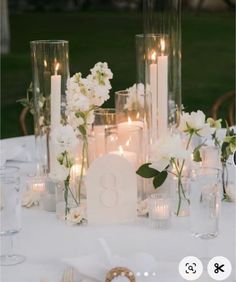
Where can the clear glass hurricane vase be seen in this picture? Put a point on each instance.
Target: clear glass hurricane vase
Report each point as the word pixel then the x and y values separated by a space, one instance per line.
pixel 50 69
pixel 162 44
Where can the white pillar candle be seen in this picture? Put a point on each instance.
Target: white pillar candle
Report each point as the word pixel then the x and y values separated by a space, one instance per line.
pixel 55 113
pixel 153 86
pixel 162 90
pixel 55 99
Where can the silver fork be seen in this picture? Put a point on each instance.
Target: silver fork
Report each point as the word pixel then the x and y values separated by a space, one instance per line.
pixel 68 275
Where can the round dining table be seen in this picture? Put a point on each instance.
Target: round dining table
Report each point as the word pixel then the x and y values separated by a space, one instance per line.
pixel 46 242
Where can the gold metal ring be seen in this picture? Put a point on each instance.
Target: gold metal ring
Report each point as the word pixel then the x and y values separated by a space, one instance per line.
pixel 120 271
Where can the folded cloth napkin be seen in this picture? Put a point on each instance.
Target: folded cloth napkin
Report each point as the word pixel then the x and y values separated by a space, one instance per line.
pixel 94 267
pixel 17 153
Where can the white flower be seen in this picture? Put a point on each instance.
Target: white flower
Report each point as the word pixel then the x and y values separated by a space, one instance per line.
pixel 76 216
pixel 143 208
pixel 194 122
pixel 60 172
pixel 136 97
pixel 83 95
pixel 30 198
pixel 101 73
pixel 167 148
pixel 64 138
pixel 214 123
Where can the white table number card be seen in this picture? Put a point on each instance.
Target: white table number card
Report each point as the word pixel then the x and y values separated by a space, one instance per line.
pixel 111 185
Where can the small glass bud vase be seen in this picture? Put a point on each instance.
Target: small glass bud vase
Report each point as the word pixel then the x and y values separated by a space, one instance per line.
pixel 205 203
pixel 228 182
pixel 181 189
pixel 66 199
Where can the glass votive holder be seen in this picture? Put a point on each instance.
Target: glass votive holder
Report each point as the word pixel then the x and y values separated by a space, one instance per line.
pixel 159 209
pixel 105 119
pixel 37 186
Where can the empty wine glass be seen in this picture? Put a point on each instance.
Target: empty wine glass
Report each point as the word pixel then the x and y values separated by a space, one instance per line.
pixel 10 212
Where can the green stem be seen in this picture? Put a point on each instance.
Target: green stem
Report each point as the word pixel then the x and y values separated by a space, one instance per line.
pixel 224 183
pixel 84 156
pixel 179 194
pixel 66 182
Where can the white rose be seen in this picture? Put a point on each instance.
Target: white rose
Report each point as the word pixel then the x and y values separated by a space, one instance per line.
pixel 143 208
pixel 30 198
pixel 76 216
pixel 194 121
pixel 168 147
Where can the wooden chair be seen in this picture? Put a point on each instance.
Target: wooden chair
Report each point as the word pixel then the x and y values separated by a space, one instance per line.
pixel 229 100
pixel 22 118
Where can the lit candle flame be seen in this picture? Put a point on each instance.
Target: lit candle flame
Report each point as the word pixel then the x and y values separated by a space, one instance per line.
pixel 138 115
pixel 163 45
pixel 121 151
pixel 45 63
pixel 56 68
pixel 127 143
pixel 154 56
pixel 129 121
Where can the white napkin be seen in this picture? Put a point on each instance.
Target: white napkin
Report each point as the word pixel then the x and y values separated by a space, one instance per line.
pixel 17 153
pixel 95 267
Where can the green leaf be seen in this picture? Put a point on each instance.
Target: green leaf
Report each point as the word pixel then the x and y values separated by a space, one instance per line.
pixel 146 171
pixel 82 130
pixel 197 155
pixel 80 114
pixel 160 179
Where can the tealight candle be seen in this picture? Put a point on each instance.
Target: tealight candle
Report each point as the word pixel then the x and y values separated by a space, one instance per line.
pixel 159 210
pixel 130 124
pixel 38 187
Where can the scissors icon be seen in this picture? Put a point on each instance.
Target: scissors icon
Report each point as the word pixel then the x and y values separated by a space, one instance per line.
pixel 218 268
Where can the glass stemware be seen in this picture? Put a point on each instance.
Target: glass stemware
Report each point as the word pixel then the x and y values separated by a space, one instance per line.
pixel 10 214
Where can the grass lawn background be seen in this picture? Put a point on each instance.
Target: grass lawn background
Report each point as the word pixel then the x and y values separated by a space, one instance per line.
pixel 207 65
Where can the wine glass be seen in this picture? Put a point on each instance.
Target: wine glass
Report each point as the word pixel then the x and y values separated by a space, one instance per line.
pixel 10 212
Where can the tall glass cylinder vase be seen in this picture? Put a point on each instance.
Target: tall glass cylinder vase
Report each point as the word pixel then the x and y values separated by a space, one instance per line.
pixel 162 41
pixel 50 67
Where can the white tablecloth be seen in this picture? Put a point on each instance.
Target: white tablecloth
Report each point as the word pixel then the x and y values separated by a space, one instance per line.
pixel 46 241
